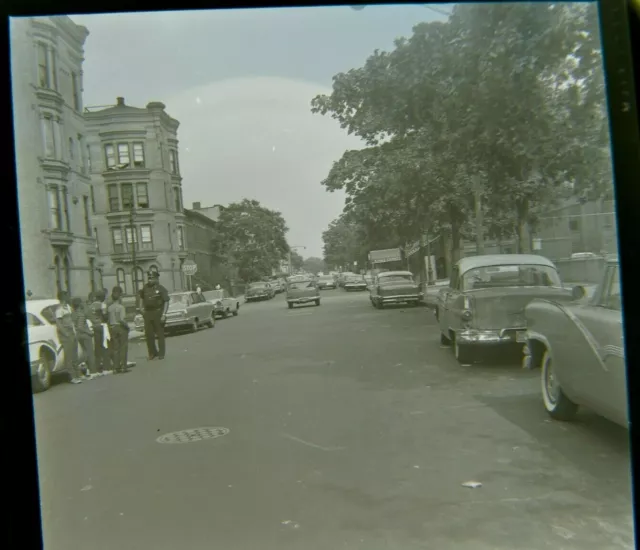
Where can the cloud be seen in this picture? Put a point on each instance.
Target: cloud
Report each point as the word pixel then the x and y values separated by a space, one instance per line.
pixel 257 138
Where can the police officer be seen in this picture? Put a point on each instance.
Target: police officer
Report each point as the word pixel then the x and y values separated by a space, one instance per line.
pixel 155 302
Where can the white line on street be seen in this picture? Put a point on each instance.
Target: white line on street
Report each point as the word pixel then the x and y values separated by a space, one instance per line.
pixel 312 444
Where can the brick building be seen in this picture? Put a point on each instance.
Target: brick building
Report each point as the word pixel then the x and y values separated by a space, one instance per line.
pixel 54 188
pixel 138 216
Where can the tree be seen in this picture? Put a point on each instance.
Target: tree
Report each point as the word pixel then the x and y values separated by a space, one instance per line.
pixel 251 240
pixel 296 260
pixel 314 265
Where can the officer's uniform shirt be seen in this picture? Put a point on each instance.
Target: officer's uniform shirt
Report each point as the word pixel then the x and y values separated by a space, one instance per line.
pixel 154 297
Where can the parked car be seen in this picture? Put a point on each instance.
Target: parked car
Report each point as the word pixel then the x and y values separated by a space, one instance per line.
pixel 224 304
pixel 342 277
pixel 326 281
pixel 46 357
pixel 483 305
pixel 579 347
pixel 189 311
pixel 302 291
pixel 258 291
pixel 394 287
pixel 355 282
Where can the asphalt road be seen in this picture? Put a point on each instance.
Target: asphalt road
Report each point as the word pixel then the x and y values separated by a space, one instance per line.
pixel 349 428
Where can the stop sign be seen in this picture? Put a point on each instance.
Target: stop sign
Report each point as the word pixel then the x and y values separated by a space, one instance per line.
pixel 189 267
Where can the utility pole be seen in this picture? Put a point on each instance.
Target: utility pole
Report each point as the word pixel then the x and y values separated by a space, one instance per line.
pixel 477 190
pixel 133 251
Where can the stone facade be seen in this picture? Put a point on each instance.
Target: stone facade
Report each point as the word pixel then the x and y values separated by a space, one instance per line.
pixel 139 220
pixel 54 188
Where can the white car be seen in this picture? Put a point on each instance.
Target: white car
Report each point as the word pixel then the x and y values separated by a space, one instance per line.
pixel 46 356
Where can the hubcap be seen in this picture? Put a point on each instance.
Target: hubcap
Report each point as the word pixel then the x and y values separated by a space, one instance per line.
pixel 550 383
pixel 43 373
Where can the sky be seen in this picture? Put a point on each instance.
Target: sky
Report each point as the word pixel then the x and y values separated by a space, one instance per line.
pixel 240 82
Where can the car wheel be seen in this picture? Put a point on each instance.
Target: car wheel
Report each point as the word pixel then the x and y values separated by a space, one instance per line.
pixel 462 352
pixel 42 379
pixel 212 322
pixel 444 340
pixel 226 313
pixel 317 302
pixel 194 326
pixel 558 405
pixel 237 310
pixel 290 305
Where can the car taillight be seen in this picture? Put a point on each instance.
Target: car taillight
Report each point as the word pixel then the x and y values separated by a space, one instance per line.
pixel 467 311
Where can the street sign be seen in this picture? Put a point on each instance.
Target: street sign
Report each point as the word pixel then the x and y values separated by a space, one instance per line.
pixel 189 267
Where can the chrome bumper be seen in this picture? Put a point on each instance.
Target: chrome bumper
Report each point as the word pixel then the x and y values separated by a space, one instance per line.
pixel 182 321
pixel 516 335
pixel 302 300
pixel 401 298
pixel 354 287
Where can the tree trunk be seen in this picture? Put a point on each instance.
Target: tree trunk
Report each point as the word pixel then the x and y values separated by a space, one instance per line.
pixel 455 243
pixel 523 240
pixel 422 254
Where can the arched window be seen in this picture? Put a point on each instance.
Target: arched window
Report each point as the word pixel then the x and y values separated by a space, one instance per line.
pixel 138 278
pixel 56 269
pixel 121 280
pixel 71 148
pixel 66 268
pixel 92 274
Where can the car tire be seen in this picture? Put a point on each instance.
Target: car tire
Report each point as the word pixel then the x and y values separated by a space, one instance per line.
pixel 444 340
pixel 194 326
pixel 211 323
pixel 462 352
pixel 237 310
pixel 42 380
pixel 290 305
pixel 557 404
pixel 317 302
pixel 226 314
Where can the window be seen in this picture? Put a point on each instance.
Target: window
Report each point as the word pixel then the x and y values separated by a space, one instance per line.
pixel 123 153
pixel 92 277
pixel 93 199
pixel 180 238
pixel 574 225
pixel 66 210
pixel 67 273
pixel 114 199
pixel 110 154
pixel 127 196
pixel 132 237
pixel 87 222
pixel 48 136
pixel 76 91
pixel 146 237
pixel 56 268
pixel 173 160
pixel 43 66
pixel 95 236
pixel 138 278
pixel 170 239
pixel 33 321
pixel 81 156
pixel 55 210
pixel 118 245
pixel 89 157
pixel 71 149
pixel 142 195
pixel 138 155
pixel 178 199
pixel 121 279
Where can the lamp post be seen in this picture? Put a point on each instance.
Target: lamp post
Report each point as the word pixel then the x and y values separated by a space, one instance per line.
pixel 134 243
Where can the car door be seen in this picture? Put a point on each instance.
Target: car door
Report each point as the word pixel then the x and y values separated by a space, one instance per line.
pixel 605 385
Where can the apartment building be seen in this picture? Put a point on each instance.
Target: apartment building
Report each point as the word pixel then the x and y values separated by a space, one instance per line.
pixel 54 188
pixel 136 205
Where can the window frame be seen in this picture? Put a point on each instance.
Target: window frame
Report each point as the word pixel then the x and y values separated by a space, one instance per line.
pixel 87 216
pixel 143 242
pixel 75 90
pixel 109 147
pixel 48 131
pixel 122 283
pixel 114 231
pixel 123 196
pixel 131 237
pixel 173 161
pixel 133 149
pixel 144 185
pixel 180 232
pixel 54 191
pixel 116 198
pixel 120 156
pixel 47 81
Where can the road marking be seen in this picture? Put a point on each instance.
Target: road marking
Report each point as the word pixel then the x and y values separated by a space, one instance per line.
pixel 308 444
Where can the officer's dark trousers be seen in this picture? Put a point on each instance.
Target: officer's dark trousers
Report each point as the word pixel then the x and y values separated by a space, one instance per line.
pixel 153 329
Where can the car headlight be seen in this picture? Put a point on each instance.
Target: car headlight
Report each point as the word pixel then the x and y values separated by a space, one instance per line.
pixel 183 313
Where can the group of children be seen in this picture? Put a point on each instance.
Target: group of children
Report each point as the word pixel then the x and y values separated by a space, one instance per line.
pixel 99 329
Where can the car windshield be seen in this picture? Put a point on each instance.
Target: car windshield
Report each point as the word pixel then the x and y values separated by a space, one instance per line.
pixel 396 278
pixel 178 301
pixel 299 285
pixel 510 275
pixel 258 285
pixel 214 294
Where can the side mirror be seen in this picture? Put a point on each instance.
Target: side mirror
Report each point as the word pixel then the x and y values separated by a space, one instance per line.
pixel 578 292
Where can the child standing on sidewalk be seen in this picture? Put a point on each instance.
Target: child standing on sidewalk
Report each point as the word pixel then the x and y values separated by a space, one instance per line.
pixel 119 329
pixel 84 333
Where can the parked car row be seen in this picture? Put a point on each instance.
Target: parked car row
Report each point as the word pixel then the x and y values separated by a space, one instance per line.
pixel 259 291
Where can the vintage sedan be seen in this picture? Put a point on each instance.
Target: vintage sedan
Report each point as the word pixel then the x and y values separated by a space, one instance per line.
pixel 326 281
pixel 579 348
pixel 483 305
pixel 189 311
pixel 355 282
pixel 259 291
pixel 224 304
pixel 395 287
pixel 46 356
pixel 302 291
